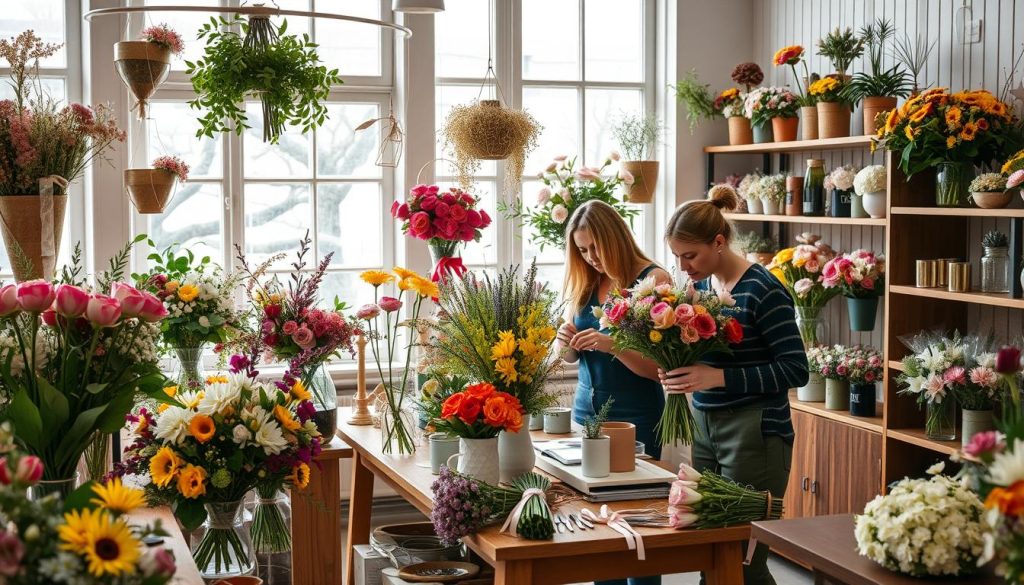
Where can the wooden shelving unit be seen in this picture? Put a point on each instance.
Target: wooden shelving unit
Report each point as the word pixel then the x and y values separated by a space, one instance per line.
pixel 917 437
pixel 873 424
pixel 753 217
pixel 846 143
pixel 978 298
pixel 957 212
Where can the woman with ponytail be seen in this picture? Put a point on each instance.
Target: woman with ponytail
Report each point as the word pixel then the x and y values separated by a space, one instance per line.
pixel 740 399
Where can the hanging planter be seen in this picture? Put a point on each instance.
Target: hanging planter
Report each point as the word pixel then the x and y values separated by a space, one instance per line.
pixel 144 65
pixel 392 141
pixel 486 130
pixel 638 137
pixel 283 71
pixel 151 189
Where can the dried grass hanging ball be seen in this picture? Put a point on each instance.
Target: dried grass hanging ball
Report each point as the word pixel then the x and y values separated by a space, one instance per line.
pixel 486 130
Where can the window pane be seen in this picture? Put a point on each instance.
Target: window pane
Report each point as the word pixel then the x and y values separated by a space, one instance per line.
pixel 551 39
pixel 171 130
pixel 277 216
pixel 348 223
pixel 193 219
pixel 552 274
pixel 449 96
pixel 347 287
pixel 45 17
pixel 484 252
pixel 352 48
pixel 531 249
pixel 289 158
pixel 53 87
pixel 342 152
pixel 614 46
pixel 461 39
pixel 186 24
pixel 296 25
pixel 558 111
pixel 605 107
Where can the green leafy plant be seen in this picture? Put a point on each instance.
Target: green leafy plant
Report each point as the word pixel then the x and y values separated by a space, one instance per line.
pixel 841 48
pixel 592 425
pixel 638 136
pixel 892 82
pixel 283 71
pixel 994 239
pixel 913 54
pixel 700 105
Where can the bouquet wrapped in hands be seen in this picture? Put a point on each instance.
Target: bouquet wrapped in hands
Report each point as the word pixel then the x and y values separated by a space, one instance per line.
pixel 708 500
pixel 675 327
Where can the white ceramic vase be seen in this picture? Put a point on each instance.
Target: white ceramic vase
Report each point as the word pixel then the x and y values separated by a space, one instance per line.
pixel 597 456
pixel 478 458
pixel 515 455
pixel 874 204
pixel 771 207
pixel 813 391
pixel 754 206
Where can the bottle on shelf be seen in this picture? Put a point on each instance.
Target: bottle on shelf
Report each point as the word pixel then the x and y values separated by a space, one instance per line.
pixel 814 188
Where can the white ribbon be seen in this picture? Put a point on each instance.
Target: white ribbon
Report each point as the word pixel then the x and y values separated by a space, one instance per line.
pixel 48 248
pixel 618 523
pixel 513 519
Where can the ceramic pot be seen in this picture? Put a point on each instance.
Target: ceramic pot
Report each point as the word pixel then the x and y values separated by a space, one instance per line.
pixel 862 400
pixel 784 129
pixel 763 133
pixel 872 107
pixel 515 454
pixel 478 458
pixel 992 199
pixel 875 204
pixel 739 131
pixel 623 445
pixel 596 457
pixel 833 120
pixel 837 394
pixel 754 206
pixel 772 207
pixel 862 313
pixel 813 391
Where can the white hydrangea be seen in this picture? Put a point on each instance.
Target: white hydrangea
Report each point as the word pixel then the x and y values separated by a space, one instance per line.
pixel 843 177
pixel 870 179
pixel 923 527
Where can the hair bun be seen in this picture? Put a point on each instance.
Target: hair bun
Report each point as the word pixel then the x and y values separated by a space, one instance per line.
pixel 724 197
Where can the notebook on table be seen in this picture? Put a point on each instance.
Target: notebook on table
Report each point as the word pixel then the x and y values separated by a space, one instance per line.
pixel 645 481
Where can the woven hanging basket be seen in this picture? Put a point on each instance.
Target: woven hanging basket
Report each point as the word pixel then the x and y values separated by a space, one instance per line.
pixel 149 189
pixel 143 66
pixel 491 131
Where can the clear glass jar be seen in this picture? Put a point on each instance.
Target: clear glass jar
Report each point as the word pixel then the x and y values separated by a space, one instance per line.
pixel 940 424
pixel 952 181
pixel 222 547
pixel 325 399
pixel 995 270
pixel 813 328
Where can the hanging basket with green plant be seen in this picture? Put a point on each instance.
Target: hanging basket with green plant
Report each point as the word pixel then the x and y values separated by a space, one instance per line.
pixel 283 71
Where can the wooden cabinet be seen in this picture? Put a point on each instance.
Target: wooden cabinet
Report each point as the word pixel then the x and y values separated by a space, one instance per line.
pixel 837 467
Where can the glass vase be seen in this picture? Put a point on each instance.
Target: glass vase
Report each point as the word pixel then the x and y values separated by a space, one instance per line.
pixel 325 399
pixel 813 329
pixel 445 258
pixel 396 423
pixel 189 367
pixel 951 184
pixel 940 424
pixel 995 271
pixel 221 546
pixel 271 521
pixel 61 487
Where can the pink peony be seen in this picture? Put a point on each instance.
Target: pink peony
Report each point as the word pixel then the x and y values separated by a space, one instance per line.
pixel 543 196
pixel 559 213
pixel 473 218
pixel 8 300
pixel 400 210
pixel 442 209
pixel 368 312
pixel 71 301
pixel 390 304
pixel 1015 179
pixel 663 316
pixel 103 311
pixel 35 296
pixel 985 443
pixel 304 338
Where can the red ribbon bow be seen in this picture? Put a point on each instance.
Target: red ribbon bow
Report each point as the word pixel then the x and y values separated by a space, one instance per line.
pixel 446 265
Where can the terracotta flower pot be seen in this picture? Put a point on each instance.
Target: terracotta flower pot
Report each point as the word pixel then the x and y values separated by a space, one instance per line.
pixel 808 123
pixel 645 180
pixel 992 199
pixel 23 218
pixel 784 129
pixel 623 448
pixel 149 189
pixel 740 131
pixel 143 66
pixel 872 107
pixel 833 120
pixel 795 195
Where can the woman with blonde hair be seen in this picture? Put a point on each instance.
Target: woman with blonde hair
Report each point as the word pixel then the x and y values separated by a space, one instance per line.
pixel 601 256
pixel 740 399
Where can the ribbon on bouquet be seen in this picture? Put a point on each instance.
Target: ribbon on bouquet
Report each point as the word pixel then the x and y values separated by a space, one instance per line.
pixel 513 519
pixel 448 264
pixel 618 523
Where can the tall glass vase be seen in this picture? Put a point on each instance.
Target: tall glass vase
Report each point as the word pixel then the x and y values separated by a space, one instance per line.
pixel 61 487
pixel 952 181
pixel 444 257
pixel 325 399
pixel 396 423
pixel 222 547
pixel 813 330
pixel 189 372
pixel 271 520
pixel 940 424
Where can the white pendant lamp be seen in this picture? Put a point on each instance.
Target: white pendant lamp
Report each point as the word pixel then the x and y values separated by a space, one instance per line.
pixel 418 6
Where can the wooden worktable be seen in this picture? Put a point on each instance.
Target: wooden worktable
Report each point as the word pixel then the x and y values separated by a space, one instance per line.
pixel 187 573
pixel 567 558
pixel 316 520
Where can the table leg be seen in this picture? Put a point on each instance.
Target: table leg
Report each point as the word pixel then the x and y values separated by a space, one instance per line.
pixel 316 527
pixel 360 503
pixel 728 564
pixel 513 573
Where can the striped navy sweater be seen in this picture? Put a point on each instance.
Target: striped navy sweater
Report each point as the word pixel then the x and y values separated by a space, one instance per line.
pixel 768 362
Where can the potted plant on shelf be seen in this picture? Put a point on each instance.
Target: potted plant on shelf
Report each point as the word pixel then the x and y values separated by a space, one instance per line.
pixel 757 248
pixel 814 390
pixel 839 183
pixel 151 189
pixel 143 65
pixel 879 88
pixel 283 71
pixel 760 123
pixel 772 190
pixel 984 391
pixel 750 190
pixel 638 138
pixel 860 276
pixel 840 48
pixel 808 112
pixel 779 107
pixel 696 96
pixel 952 133
pixel 864 371
pixel 835 371
pixel 729 104
pixel 913 54
pixel 869 187
pixel 597 446
pixel 989 191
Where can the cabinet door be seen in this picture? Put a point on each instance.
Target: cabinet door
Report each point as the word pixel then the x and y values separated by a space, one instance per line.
pixel 799 502
pixel 849 467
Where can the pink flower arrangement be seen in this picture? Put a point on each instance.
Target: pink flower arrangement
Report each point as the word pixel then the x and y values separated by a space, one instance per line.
pixel 172 164
pixel 859 274
pixel 164 36
pixel 452 216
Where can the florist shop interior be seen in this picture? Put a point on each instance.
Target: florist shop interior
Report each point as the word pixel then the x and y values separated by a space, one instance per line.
pixel 623 292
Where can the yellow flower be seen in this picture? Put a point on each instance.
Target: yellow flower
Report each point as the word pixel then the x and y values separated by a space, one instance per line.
pixel 892 119
pixel 171 286
pixel 299 391
pixel 823 86
pixel 192 481
pixel 779 274
pixel 424 287
pixel 953 115
pixel 202 428
pixel 188 292
pixel 216 380
pixel 162 407
pixel 910 133
pixel 404 273
pixel 284 416
pixel 969 131
pixel 950 142
pixel 729 94
pixel 506 367
pixel 783 256
pixel 300 476
pixel 505 347
pixel 655 336
pixel 164 466
pixel 276 298
pixel 800 261
pixel 116 497
pixel 922 113
pixel 1013 163
pixel 171 391
pixel 74 532
pixel 376 277
pixel 113 550
pixel 699 310
pixel 430 387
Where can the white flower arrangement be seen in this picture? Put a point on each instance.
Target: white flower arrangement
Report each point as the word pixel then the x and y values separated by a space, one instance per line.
pixel 923 527
pixel 749 184
pixel 735 107
pixel 772 188
pixel 870 179
pixel 988 183
pixel 843 177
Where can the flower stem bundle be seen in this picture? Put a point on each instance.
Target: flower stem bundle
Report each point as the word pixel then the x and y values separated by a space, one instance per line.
pixel 708 500
pixel 535 520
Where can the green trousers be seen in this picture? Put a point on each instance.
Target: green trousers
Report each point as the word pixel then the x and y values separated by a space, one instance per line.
pixel 730 443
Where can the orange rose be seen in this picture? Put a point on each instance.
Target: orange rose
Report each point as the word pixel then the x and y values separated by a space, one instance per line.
pixel 496 411
pixel 451 405
pixel 481 391
pixel 202 427
pixel 1010 501
pixel 469 410
pixel 514 422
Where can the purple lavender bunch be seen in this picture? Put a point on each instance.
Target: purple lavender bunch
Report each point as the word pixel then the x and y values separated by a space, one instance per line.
pixel 461 507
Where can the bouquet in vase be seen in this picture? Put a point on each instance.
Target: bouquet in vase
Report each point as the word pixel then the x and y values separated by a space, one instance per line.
pixel 444 220
pixel 675 327
pixel 934 374
pixel 480 412
pixel 985 388
pixel 830 361
pixel 859 274
pixel 799 269
pixel 383 322
pixel 708 500
pixel 863 365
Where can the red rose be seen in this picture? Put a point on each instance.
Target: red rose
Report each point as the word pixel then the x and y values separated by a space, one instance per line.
pixel 451 405
pixel 272 311
pixel 457 213
pixel 617 312
pixel 467 234
pixel 449 198
pixel 401 212
pixel 419 225
pixel 473 218
pixel 469 410
pixel 705 325
pixel 428 202
pixel 441 209
pixel 445 228
pixel 733 331
pixel 481 391
pixel 485 220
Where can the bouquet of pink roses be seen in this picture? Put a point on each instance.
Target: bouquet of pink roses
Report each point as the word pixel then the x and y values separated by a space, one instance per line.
pixel 675 327
pixel 859 274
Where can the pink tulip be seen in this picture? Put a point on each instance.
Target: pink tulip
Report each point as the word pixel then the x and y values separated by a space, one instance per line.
pixel 688 473
pixel 29 471
pixel 153 309
pixel 35 296
pixel 560 158
pixel 9 300
pixel 5 472
pixel 71 301
pixel 390 304
pixel 678 519
pixel 133 302
pixel 103 311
